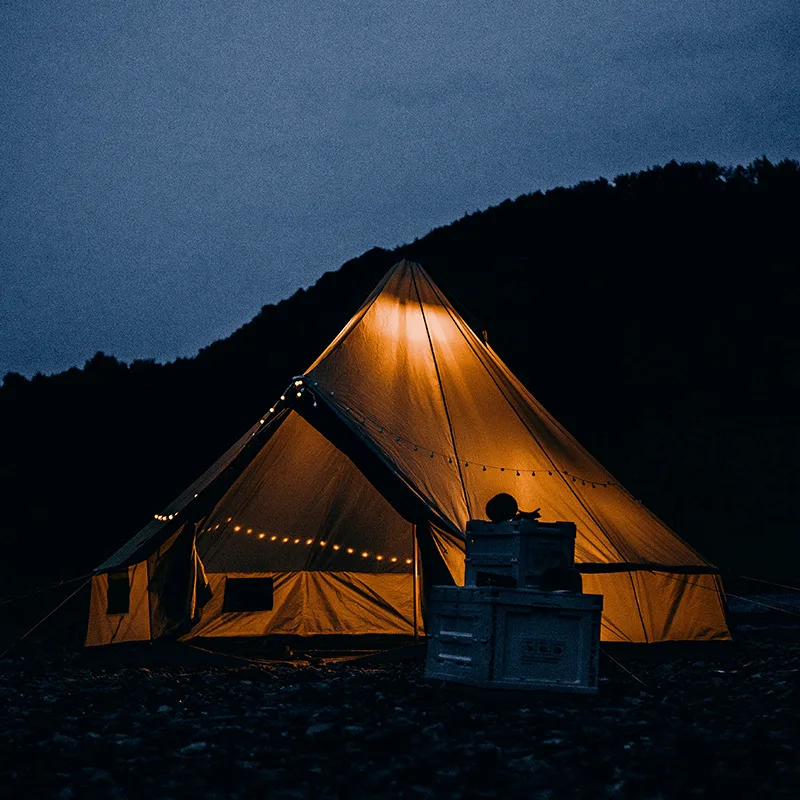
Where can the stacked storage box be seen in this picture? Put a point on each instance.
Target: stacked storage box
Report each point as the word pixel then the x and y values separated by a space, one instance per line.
pixel 503 629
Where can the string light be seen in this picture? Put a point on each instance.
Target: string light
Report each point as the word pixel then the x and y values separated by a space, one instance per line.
pixel 321 543
pixel 518 471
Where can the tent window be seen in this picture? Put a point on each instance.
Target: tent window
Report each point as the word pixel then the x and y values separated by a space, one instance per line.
pixel 248 594
pixel 119 592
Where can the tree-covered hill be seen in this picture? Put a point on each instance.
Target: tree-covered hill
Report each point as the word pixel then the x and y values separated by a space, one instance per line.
pixel 654 315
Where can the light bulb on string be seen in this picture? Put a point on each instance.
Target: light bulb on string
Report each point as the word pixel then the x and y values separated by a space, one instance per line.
pixel 283 397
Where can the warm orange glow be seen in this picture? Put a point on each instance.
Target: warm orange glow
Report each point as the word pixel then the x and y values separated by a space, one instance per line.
pixel 364 554
pixel 322 544
pixel 285 539
pixel 261 535
pixel 309 541
pixel 380 558
pixel 229 519
pixel 403 321
pixel 350 550
pixel 273 538
pixel 336 547
pixel 237 528
pixel 408 561
pixel 297 541
pixel 249 530
pixel 393 559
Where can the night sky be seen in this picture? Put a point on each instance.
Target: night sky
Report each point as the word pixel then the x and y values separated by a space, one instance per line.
pixel 170 167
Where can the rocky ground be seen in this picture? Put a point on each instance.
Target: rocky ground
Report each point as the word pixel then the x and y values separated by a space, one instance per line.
pixel 702 723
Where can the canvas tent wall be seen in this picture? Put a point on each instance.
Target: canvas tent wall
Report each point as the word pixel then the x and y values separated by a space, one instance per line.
pixel 352 493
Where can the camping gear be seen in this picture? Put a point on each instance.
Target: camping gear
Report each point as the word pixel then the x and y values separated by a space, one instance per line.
pixel 516 553
pixel 351 495
pixel 514 638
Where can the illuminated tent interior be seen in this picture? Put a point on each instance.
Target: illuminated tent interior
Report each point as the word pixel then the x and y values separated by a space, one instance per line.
pixel 339 508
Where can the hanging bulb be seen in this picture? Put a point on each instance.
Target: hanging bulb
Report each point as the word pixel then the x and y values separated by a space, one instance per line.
pixel 297 541
pixel 261 535
pixel 273 538
pixel 484 468
pixel 299 394
pixel 364 554
pixel 309 541
pixel 283 397
pixel 393 559
pixel 409 561
pixel 336 547
pixel 249 530
pixel 315 404
pixel 285 539
pixel 272 410
pixel 237 528
pixel 350 550
pixel 298 383
pixel 379 558
pixel 518 473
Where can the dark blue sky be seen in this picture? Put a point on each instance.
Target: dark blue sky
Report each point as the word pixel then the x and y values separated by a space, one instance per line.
pixel 170 167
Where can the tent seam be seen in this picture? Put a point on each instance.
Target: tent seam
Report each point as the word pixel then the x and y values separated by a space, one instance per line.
pixel 444 399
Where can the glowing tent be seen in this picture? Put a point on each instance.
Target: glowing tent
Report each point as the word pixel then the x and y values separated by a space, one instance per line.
pixel 351 495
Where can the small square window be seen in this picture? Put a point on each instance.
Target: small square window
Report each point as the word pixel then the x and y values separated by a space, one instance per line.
pixel 119 592
pixel 248 594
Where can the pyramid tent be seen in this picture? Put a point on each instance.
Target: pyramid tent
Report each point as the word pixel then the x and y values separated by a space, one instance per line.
pixel 349 498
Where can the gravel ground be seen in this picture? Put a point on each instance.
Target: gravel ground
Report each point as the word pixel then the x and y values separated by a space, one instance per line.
pixel 723 725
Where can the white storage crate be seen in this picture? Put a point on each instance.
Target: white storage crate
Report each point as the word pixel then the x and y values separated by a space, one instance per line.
pixel 514 554
pixel 514 638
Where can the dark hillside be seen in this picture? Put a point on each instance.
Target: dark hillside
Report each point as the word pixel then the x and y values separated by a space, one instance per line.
pixel 654 316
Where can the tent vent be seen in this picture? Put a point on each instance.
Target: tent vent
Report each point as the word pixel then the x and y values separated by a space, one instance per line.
pixel 119 592
pixel 247 594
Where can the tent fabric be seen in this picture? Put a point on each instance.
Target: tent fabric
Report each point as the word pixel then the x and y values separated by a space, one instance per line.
pixel 397 435
pixel 308 603
pixel 133 626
